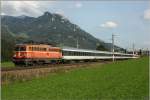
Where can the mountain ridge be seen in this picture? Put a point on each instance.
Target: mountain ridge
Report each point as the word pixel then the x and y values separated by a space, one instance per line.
pixel 50 28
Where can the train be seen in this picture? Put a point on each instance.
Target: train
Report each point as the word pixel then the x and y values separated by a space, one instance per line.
pixel 30 54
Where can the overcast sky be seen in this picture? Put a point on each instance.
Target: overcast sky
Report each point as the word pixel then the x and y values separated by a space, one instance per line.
pixel 129 20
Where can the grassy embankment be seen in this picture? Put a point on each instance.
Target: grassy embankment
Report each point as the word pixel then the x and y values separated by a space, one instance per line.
pixel 123 80
pixel 7 64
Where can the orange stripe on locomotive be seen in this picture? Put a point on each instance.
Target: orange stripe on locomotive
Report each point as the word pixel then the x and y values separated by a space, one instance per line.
pixel 37 51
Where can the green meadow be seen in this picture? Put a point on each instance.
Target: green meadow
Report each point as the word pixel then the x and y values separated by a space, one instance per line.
pixel 121 80
pixel 7 64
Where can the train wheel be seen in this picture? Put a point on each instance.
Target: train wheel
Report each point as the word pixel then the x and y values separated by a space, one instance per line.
pixel 17 64
pixel 26 63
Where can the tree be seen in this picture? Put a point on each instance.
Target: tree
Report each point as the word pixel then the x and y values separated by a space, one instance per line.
pixel 101 47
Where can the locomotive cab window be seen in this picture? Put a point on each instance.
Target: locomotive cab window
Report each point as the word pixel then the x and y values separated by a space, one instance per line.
pixel 18 48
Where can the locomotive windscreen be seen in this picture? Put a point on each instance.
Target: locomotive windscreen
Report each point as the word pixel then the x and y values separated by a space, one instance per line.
pixel 19 48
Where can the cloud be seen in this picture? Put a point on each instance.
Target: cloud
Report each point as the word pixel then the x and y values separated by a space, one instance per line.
pixel 78 4
pixel 147 14
pixel 3 13
pixel 60 12
pixel 109 24
pixel 30 8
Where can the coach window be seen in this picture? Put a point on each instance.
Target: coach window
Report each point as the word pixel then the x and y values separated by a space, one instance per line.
pixel 92 54
pixel 116 54
pixel 65 53
pixel 86 54
pixel 96 54
pixel 81 53
pixel 35 48
pixel 89 54
pixel 30 48
pixel 70 53
pixel 78 53
pixel 73 53
pixel 43 49
pixel 39 48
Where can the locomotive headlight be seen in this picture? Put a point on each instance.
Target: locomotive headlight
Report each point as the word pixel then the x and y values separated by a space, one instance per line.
pixel 14 55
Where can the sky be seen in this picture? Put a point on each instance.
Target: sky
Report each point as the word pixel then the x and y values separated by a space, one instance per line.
pixel 128 20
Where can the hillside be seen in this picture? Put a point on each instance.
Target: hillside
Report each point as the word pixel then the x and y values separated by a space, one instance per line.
pixel 49 28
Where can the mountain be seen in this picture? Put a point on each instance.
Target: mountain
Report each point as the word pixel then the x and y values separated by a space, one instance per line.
pixel 49 28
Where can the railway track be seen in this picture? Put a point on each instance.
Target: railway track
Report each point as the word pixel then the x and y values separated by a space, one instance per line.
pixel 10 75
pixel 5 69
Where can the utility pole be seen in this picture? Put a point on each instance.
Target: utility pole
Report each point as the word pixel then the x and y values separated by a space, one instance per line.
pixel 77 43
pixel 113 47
pixel 133 46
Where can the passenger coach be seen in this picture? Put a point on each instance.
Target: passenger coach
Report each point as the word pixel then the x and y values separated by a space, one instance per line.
pixel 79 54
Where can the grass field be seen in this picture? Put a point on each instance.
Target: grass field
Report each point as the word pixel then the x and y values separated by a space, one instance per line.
pixel 122 80
pixel 7 64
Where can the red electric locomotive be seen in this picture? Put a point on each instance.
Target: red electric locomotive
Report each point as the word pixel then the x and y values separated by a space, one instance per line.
pixel 32 53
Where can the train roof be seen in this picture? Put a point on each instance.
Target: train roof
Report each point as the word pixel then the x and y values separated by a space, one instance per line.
pixel 39 45
pixel 90 51
pixel 32 44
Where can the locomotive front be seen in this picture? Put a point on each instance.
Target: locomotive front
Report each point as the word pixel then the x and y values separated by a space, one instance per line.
pixel 20 54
